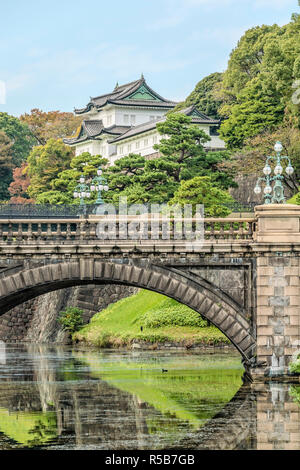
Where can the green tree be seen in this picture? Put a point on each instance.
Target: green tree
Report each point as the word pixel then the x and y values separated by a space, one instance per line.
pixel 202 190
pixel 204 96
pixel 71 319
pixel 183 151
pixel 140 180
pixel 63 185
pixel 20 136
pixel 6 156
pixel 245 63
pixel 257 86
pixel 255 112
pixel 45 162
pixel 183 143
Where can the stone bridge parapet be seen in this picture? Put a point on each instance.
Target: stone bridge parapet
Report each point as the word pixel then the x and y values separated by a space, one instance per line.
pixel 243 276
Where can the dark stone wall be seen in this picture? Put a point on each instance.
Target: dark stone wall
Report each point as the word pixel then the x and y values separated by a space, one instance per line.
pixel 36 319
pixel 244 193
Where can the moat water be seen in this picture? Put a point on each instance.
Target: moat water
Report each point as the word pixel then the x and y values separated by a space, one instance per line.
pixel 61 397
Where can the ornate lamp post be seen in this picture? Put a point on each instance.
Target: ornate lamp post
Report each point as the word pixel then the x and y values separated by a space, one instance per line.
pixel 99 184
pixel 274 195
pixel 82 190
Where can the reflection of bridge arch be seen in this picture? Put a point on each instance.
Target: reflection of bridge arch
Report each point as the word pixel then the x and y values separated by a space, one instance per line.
pixel 230 428
pixel 17 286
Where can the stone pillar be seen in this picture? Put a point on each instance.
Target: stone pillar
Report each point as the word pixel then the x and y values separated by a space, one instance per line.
pixel 277 247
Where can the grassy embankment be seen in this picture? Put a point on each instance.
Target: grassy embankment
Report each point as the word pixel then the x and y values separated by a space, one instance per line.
pixel 162 320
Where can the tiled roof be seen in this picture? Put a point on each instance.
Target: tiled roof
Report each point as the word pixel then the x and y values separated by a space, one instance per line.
pixel 122 92
pixel 147 126
pixel 93 128
pixel 197 115
pixel 150 125
pixel 147 103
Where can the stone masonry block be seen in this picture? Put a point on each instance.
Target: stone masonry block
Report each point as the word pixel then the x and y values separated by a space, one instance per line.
pixel 295 320
pixel 294 281
pixel 266 271
pixel 278 271
pixel 262 320
pixel 291 271
pixel 294 300
pixel 279 301
pixel 265 290
pixel 279 261
pixel 263 301
pixel 295 261
pixel 275 321
pixel 278 281
pixel 262 261
pixel 265 311
pixel 264 330
pixel 291 330
pixel 263 281
pixel 262 340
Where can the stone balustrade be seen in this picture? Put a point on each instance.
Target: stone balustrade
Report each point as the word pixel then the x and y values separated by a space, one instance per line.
pixel 89 230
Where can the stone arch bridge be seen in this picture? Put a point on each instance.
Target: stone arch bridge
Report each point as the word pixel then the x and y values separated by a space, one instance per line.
pixel 243 277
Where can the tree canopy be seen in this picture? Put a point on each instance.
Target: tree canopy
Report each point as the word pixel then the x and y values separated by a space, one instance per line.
pixel 20 136
pixel 202 190
pixel 257 86
pixel 204 96
pixel 6 165
pixel 50 125
pixel 45 162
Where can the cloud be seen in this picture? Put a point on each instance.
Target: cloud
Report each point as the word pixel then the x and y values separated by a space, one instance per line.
pixel 18 82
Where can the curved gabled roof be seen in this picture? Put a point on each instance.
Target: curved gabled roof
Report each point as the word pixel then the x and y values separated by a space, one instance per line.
pixel 94 128
pixel 124 95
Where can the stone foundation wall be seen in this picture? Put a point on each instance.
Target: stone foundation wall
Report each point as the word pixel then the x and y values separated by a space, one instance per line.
pixel 245 194
pixel 36 319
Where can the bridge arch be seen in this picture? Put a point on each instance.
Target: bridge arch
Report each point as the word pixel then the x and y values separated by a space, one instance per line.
pixel 18 286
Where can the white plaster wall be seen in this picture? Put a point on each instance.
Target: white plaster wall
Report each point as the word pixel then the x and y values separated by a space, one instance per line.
pixel 140 116
pixel 216 142
pixel 141 144
pixel 84 147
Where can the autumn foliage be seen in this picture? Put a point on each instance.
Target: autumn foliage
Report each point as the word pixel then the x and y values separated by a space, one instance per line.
pixel 50 125
pixel 18 187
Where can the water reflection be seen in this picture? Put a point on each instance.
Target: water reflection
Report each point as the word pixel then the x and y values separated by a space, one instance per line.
pixel 59 398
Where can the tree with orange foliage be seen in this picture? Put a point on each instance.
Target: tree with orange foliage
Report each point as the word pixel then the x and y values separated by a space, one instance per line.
pixel 50 125
pixel 18 187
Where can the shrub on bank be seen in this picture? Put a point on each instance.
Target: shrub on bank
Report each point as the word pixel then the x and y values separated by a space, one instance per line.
pixel 71 319
pixel 294 366
pixel 175 315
